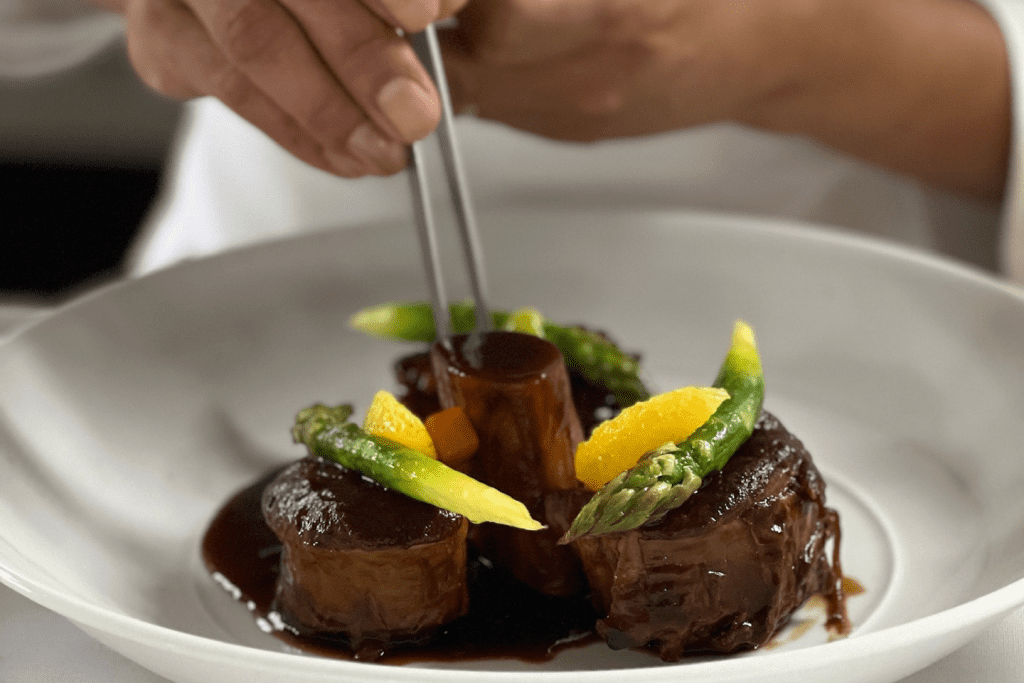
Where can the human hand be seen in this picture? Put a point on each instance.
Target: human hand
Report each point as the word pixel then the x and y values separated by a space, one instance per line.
pixel 330 81
pixel 921 87
pixel 593 69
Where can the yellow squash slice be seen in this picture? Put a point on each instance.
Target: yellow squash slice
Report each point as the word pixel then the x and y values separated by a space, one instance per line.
pixel 387 417
pixel 618 443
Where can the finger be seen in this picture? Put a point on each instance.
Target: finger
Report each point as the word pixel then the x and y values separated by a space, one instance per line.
pixel 173 54
pixel 267 48
pixel 152 28
pixel 378 68
pixel 409 15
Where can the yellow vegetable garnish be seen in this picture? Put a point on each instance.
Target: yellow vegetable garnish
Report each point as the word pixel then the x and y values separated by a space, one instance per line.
pixel 617 444
pixel 388 418
pixel 527 320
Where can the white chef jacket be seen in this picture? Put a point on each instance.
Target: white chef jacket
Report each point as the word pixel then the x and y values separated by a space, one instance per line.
pixel 227 184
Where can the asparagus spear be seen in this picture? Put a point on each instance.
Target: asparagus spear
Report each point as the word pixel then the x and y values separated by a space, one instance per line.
pixel 328 434
pixel 600 361
pixel 588 353
pixel 664 478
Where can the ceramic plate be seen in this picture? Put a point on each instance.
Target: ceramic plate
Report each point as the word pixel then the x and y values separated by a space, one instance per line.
pixel 128 417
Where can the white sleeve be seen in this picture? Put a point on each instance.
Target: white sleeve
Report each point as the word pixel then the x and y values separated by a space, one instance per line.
pixel 228 184
pixel 1010 16
pixel 40 37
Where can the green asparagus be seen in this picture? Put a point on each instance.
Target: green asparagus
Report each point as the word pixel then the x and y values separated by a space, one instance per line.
pixel 594 357
pixel 327 433
pixel 664 478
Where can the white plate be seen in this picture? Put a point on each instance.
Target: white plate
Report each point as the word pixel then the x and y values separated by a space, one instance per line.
pixel 128 417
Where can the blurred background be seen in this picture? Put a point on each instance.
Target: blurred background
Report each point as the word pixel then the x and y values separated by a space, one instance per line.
pixel 81 157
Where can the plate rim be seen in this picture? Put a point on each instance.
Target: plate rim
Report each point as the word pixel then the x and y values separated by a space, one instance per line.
pixel 976 613
pixel 790 228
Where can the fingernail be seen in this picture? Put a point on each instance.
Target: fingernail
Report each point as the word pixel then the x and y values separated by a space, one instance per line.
pixel 409 108
pixel 367 144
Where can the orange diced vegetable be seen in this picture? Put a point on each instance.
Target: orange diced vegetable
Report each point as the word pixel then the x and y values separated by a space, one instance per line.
pixel 454 438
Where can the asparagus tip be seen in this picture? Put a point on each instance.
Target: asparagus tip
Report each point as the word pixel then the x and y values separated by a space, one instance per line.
pixel 744 348
pixel 527 320
pixel 375 320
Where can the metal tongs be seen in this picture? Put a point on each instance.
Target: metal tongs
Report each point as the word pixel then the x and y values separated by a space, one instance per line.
pixel 427 49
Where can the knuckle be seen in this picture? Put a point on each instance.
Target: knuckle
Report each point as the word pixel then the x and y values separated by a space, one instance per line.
pixel 348 37
pixel 249 30
pixel 363 55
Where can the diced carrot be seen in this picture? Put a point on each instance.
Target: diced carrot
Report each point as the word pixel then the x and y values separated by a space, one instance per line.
pixel 454 438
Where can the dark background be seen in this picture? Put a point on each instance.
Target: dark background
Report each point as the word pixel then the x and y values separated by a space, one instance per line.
pixel 81 159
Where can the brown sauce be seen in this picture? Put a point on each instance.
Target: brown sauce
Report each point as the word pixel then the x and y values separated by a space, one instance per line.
pixel 506 619
pixel 852 587
pixel 509 619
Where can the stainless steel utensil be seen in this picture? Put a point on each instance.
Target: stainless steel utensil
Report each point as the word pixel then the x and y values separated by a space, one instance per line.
pixel 427 49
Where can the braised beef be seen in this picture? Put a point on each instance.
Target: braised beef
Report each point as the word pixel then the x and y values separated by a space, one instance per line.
pixel 360 562
pixel 377 574
pixel 515 391
pixel 723 572
pixel 594 403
